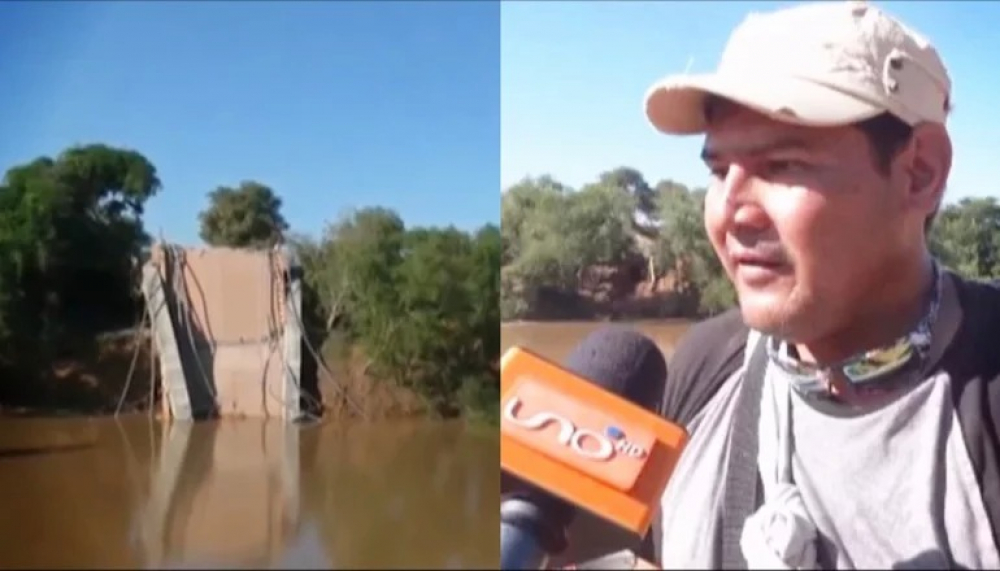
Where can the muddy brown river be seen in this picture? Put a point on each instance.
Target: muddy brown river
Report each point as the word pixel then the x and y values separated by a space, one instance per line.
pixel 141 493
pixel 137 493
pixel 555 340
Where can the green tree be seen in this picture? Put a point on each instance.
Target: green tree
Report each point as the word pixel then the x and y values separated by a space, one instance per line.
pixel 70 230
pixel 248 216
pixel 966 237
pixel 517 206
pixel 684 247
pixel 631 182
pixel 421 303
pixel 551 234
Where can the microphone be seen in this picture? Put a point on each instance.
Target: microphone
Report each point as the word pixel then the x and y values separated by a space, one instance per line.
pixel 582 436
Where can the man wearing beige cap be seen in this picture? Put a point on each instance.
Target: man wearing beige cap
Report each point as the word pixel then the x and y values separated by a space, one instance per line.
pixel 846 415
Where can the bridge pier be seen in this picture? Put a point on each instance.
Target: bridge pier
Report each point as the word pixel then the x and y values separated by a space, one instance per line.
pixel 227 327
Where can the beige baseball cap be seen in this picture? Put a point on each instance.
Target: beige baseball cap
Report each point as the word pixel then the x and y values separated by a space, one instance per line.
pixel 818 64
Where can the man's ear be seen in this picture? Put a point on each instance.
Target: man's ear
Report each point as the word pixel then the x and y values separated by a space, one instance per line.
pixel 928 163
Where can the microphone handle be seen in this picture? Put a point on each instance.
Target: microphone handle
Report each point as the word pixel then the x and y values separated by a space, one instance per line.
pixel 532 528
pixel 520 549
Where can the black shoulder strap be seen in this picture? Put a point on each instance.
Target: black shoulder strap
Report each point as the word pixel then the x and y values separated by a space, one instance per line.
pixel 703 361
pixel 742 484
pixel 973 363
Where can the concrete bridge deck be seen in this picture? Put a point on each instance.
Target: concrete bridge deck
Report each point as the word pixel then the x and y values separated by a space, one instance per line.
pixel 226 324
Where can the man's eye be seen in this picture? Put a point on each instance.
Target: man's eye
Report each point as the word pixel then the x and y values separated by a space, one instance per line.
pixel 778 167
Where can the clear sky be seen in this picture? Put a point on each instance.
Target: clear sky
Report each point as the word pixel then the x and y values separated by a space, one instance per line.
pixel 333 104
pixel 573 76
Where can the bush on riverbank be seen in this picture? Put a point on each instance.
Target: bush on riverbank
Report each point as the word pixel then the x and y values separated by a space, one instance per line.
pixel 420 304
pixel 621 248
pixel 417 307
pixel 616 248
pixel 70 228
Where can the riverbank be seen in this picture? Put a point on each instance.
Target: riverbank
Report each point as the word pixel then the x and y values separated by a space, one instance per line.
pixel 644 302
pixel 96 376
pixel 120 372
pixel 623 292
pixel 557 339
pixel 638 322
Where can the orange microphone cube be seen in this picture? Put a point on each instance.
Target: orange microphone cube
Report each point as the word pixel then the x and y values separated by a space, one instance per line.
pixel 582 443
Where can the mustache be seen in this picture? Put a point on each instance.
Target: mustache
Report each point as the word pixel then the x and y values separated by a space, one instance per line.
pixel 756 250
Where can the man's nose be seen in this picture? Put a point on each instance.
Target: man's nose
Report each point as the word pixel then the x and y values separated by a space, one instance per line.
pixel 741 190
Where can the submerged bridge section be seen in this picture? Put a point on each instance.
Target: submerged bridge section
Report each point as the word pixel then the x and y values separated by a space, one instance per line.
pixel 222 495
pixel 227 326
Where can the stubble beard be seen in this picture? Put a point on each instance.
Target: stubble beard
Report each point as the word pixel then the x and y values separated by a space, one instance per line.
pixel 793 319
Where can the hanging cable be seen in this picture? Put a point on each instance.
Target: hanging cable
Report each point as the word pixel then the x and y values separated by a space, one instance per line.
pixel 151 398
pixel 140 328
pixel 277 300
pixel 273 344
pixel 321 363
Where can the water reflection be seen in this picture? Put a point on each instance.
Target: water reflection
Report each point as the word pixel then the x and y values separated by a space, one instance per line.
pixel 443 480
pixel 222 493
pixel 99 493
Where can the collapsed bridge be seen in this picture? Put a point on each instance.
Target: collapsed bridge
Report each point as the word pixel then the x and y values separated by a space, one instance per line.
pixel 227 325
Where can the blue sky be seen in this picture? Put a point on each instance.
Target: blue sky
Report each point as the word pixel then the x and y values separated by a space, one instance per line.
pixel 573 75
pixel 333 104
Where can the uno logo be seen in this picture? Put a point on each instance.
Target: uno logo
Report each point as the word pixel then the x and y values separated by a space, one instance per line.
pixel 600 446
pixel 586 442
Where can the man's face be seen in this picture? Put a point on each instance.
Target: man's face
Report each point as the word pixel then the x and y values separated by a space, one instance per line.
pixel 807 227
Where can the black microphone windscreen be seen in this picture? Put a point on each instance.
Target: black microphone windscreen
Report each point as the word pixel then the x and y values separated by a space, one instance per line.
pixel 624 362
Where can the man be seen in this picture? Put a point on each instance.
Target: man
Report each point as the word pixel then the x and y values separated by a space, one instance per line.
pixel 877 431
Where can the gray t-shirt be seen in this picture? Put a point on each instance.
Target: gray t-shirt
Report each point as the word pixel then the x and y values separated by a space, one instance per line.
pixel 892 486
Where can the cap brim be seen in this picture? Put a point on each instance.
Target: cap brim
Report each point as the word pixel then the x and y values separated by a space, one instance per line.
pixel 676 105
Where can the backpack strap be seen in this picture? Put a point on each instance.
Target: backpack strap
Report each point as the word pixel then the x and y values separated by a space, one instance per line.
pixel 742 492
pixel 973 363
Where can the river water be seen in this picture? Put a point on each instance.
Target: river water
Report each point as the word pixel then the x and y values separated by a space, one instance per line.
pixel 101 493
pixel 140 493
pixel 556 339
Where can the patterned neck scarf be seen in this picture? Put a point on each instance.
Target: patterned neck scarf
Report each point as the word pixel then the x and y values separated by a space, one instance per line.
pixel 863 371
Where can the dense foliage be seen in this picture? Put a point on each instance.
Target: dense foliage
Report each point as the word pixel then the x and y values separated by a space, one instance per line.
pixel 552 236
pixel 70 230
pixel 421 303
pixel 248 216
